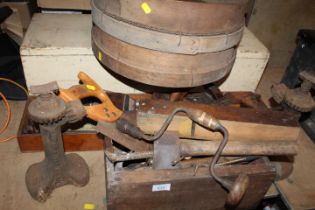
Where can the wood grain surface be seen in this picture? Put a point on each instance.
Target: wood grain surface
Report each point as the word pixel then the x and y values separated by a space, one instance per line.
pixel 182 17
pixel 162 41
pixel 158 68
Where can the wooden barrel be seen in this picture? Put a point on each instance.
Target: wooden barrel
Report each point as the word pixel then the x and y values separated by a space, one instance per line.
pixel 168 43
pixel 159 68
pixel 192 17
pixel 162 41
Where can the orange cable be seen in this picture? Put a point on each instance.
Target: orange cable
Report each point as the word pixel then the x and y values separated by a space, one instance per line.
pixel 7 121
pixel 14 83
pixel 8 108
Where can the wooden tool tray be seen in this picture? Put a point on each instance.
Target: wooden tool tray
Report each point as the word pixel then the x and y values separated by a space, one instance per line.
pixel 236 107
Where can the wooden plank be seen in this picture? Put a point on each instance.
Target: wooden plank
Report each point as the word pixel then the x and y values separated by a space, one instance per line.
pixel 239 131
pixel 190 148
pixel 244 124
pixel 225 112
pixel 72 141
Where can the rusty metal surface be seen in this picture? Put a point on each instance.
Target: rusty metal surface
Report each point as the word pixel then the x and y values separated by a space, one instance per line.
pixel 160 69
pixel 47 108
pixel 224 112
pixel 299 98
pixel 169 16
pixel 166 151
pixel 75 111
pixel 165 42
pixel 130 143
pixel 45 88
pixel 57 169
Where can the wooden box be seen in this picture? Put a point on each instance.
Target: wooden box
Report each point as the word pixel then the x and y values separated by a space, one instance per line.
pixel 181 189
pixel 58 46
pixel 65 4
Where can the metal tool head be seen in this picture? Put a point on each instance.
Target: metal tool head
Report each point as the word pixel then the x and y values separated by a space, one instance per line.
pixel 45 88
pixel 166 151
pixel 47 108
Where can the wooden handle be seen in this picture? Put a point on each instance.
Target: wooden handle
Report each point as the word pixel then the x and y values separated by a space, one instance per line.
pixel 238 190
pixel 105 111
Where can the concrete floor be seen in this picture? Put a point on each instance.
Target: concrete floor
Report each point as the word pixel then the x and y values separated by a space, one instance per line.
pixel 14 164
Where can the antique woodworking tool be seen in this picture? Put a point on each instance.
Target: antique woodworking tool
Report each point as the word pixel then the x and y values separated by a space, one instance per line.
pixel 103 111
pixel 166 154
pixel 132 149
pixel 57 168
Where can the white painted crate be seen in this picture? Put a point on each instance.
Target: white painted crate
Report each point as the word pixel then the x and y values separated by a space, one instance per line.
pixel 65 4
pixel 58 46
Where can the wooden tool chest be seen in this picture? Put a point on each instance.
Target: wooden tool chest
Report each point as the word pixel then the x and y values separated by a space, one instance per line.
pixel 182 189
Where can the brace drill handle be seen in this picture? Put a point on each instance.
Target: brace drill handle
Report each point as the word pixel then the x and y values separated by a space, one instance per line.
pixel 105 111
pixel 237 188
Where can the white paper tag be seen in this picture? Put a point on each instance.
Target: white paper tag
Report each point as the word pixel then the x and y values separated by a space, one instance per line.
pixel 161 187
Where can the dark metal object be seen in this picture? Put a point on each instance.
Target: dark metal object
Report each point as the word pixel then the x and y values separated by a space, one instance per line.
pixel 247 159
pixel 116 157
pixel 166 151
pixel 47 108
pixel 75 111
pixel 303 59
pixel 132 144
pixel 5 12
pixel 57 169
pixel 45 88
pixel 300 98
